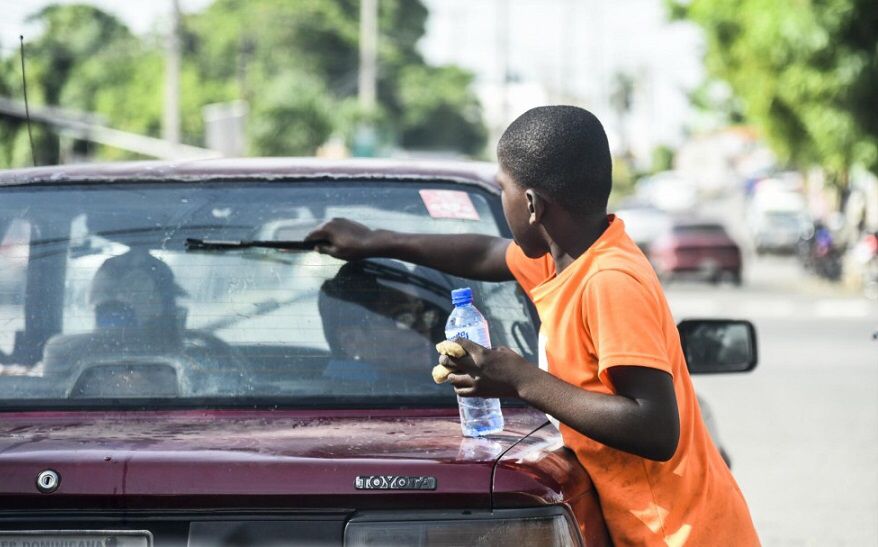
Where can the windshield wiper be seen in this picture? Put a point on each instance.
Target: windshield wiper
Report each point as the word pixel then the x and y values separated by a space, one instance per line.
pixel 195 244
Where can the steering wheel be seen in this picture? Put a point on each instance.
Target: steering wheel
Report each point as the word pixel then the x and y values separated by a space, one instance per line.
pixel 221 367
pixel 215 349
pixel 131 376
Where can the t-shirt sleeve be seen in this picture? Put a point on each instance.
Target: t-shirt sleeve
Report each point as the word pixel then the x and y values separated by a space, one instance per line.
pixel 529 272
pixel 626 323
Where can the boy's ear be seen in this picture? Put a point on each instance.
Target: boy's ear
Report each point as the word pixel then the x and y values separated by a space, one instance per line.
pixel 536 206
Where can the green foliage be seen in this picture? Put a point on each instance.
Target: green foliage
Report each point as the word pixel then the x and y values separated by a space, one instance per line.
pixel 805 73
pixel 438 111
pixel 321 39
pixel 624 179
pixel 295 63
pixel 716 98
pixel 662 158
pixel 9 128
pixel 294 117
pixel 68 64
pixel 72 35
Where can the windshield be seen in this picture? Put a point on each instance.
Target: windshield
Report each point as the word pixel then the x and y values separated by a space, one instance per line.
pixel 105 304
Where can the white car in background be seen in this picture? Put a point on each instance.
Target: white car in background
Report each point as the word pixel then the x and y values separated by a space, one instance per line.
pixel 668 191
pixel 777 217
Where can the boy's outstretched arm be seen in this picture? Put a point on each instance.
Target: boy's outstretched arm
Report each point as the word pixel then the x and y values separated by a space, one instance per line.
pixel 472 256
pixel 641 418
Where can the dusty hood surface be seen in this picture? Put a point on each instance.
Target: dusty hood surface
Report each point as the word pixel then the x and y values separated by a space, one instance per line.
pixel 252 458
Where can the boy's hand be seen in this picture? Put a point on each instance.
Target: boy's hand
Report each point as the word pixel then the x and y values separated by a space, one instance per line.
pixel 484 372
pixel 347 240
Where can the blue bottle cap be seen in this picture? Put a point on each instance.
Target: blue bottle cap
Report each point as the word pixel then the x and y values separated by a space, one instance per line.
pixel 460 297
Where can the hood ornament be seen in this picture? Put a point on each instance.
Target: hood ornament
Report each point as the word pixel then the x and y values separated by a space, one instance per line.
pixel 48 481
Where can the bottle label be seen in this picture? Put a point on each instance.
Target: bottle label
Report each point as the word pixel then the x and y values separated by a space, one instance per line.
pixel 478 335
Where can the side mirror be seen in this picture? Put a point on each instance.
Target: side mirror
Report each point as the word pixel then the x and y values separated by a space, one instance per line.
pixel 718 345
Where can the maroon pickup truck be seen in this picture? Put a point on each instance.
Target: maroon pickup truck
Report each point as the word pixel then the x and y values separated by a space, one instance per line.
pixel 182 370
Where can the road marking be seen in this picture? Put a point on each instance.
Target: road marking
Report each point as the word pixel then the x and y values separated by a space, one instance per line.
pixel 769 309
pixel 702 307
pixel 756 307
pixel 847 309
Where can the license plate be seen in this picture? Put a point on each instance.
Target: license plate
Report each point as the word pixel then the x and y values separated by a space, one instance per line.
pixel 76 538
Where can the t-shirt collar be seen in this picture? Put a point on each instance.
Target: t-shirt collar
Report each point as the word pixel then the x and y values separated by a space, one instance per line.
pixel 610 237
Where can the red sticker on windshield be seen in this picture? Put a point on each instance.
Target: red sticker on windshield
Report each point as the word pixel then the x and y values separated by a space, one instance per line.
pixel 449 204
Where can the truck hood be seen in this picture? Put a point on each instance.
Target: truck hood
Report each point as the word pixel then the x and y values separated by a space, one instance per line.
pixel 250 459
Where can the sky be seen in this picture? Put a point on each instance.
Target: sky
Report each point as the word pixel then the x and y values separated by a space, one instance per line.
pixel 557 51
pixel 573 49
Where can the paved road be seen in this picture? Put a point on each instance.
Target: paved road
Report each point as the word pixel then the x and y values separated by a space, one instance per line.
pixel 802 429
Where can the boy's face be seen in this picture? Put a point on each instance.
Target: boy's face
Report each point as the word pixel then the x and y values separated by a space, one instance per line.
pixel 515 209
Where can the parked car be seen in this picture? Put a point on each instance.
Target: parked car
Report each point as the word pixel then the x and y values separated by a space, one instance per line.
pixel 778 231
pixel 699 248
pixel 777 218
pixel 291 401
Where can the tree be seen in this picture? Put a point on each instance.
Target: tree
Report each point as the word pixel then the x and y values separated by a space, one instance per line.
pixel 80 46
pixel 805 72
pixel 318 42
pixel 293 116
pixel 295 63
pixel 438 111
pixel 10 86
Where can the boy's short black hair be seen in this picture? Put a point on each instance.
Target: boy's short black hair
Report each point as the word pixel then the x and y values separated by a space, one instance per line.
pixel 561 151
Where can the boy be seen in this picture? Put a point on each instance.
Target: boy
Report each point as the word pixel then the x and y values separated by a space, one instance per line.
pixel 612 371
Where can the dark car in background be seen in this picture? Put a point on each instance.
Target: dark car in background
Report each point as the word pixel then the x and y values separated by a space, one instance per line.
pixel 171 379
pixel 697 248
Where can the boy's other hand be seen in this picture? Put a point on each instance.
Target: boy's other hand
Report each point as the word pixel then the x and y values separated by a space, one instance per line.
pixel 346 239
pixel 484 372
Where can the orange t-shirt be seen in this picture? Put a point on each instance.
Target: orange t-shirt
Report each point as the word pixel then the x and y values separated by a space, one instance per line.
pixel 607 309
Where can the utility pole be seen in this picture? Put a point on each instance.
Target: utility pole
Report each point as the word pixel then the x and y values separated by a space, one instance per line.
pixel 502 38
pixel 569 53
pixel 368 53
pixel 171 117
pixel 365 141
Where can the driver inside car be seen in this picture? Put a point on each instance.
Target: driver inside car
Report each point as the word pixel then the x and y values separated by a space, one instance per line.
pixel 380 329
pixel 137 320
pixel 134 298
pixel 137 291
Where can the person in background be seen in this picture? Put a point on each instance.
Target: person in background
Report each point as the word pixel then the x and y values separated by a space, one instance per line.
pixel 134 299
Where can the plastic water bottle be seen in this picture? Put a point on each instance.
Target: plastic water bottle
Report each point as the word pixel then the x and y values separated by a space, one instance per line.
pixel 478 416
